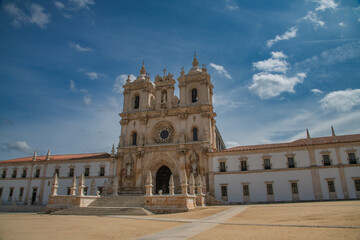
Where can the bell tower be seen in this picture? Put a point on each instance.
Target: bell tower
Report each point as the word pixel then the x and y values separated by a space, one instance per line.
pixel 195 86
pixel 164 91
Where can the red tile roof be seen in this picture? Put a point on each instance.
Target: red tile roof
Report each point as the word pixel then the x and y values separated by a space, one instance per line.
pixel 59 157
pixel 300 142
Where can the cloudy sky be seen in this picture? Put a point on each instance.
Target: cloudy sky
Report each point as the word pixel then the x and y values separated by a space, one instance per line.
pixel 278 67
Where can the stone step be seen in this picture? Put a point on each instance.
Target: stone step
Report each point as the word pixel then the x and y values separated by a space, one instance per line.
pixel 119 201
pixel 101 211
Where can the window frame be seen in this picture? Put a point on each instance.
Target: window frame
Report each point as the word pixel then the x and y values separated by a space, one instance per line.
pixel 194 95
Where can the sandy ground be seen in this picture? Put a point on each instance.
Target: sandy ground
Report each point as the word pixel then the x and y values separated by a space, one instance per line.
pixel 340 213
pixel 44 227
pixel 344 213
pixel 197 213
pixel 226 232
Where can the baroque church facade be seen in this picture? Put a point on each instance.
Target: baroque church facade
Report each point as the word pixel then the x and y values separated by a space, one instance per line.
pixel 163 135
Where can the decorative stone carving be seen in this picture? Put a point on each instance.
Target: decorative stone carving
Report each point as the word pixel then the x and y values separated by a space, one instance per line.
pixel 81 185
pixel 164 134
pixel 92 187
pixel 149 184
pixel 73 187
pixel 194 163
pixel 171 185
pixel 55 185
pixel 192 184
pixel 128 170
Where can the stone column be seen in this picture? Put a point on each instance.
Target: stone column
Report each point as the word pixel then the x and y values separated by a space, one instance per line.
pixel 192 184
pixel 81 185
pixel 149 185
pixel 73 187
pixel 199 185
pixel 171 185
pixel 115 186
pixel 203 184
pixel 54 186
pixel 184 184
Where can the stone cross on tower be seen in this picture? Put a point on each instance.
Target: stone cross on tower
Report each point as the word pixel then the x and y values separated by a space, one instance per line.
pixel 164 72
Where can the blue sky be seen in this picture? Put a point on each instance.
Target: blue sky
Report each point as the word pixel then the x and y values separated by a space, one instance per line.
pixel 278 67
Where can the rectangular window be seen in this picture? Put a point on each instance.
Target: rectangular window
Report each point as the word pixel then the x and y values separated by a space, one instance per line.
pixel 246 190
pixel 85 191
pixel 267 164
pixel 294 188
pixel 269 189
pixel 224 191
pixel 3 174
pixel 14 173
pixel 243 165
pixel 21 192
pixel 326 160
pixel 71 172
pixel 68 191
pixel 291 162
pixel 57 171
pixel 357 185
pixel 1 190
pixel 222 167
pixel 24 173
pixel 87 172
pixel 102 171
pixel 352 158
pixel 11 192
pixel 37 173
pixel 331 186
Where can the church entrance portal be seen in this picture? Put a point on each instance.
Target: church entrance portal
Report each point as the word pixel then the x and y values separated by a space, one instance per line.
pixel 162 179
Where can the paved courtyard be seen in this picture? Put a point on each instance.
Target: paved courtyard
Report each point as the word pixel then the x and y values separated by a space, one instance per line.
pixel 324 220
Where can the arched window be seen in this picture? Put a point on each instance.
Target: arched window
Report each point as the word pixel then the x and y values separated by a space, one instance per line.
pixel 195 134
pixel 134 138
pixel 137 102
pixel 194 96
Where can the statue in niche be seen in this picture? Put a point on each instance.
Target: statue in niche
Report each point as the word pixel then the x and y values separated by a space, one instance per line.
pixel 164 97
pixel 194 163
pixel 128 170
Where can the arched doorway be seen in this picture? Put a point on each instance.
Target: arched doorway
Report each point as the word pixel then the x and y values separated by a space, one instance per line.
pixel 162 179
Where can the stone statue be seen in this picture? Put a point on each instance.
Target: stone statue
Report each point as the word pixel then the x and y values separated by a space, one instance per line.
pixel 194 167
pixel 164 97
pixel 128 170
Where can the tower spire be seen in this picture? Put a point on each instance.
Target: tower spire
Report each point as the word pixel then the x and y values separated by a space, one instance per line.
pixel 332 131
pixel 48 155
pixel 143 70
pixel 195 63
pixel 307 133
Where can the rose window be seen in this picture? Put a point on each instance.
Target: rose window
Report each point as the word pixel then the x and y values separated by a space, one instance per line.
pixel 164 134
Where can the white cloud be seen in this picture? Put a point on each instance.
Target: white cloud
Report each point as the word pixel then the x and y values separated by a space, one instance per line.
pixel 278 55
pixel 120 81
pixel 20 146
pixel 287 35
pixel 113 103
pixel 231 5
pixel 271 65
pixel 221 70
pixel 59 5
pixel 268 85
pixel 82 3
pixel 341 101
pixel 230 144
pixel 94 75
pixel 312 17
pixel 72 86
pixel 79 48
pixel 36 16
pixel 316 91
pixel 325 4
pixel 87 99
pixel 342 24
pixel 331 56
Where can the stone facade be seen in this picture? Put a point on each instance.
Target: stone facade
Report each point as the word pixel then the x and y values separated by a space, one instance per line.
pixel 164 134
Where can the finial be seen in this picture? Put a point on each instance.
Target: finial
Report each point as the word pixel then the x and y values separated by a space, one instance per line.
pixel 307 133
pixel 128 79
pixel 34 156
pixel 113 150
pixel 332 131
pixel 164 70
pixel 48 155
pixel 195 62
pixel 143 71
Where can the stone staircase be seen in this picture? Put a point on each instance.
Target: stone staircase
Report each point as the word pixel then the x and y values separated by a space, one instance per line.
pixel 110 205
